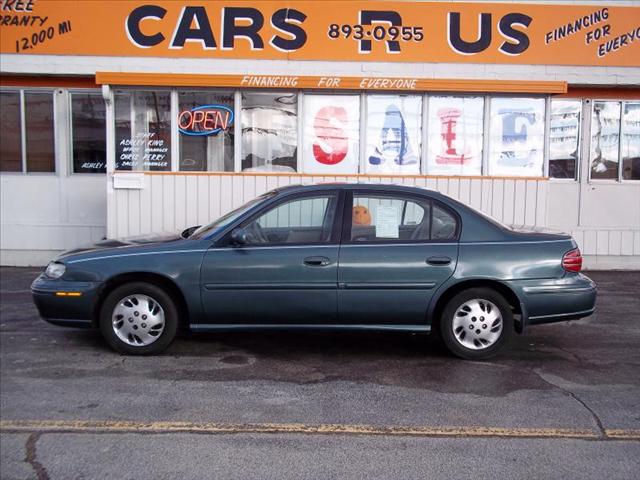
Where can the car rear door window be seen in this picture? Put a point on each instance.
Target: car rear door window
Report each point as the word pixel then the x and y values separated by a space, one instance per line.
pixel 388 218
pixel 299 221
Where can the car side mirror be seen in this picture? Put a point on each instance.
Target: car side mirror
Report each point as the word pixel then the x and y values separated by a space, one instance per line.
pixel 187 232
pixel 239 236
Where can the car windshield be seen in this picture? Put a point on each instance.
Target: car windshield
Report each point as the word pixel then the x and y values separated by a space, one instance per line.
pixel 227 218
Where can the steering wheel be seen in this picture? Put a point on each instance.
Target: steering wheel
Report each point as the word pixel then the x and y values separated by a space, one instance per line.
pixel 255 233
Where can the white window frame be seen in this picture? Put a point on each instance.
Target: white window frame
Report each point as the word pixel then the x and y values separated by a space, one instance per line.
pixel 581 136
pixel 301 116
pixel 620 167
pixel 238 152
pixel 425 132
pixel 69 137
pixel 57 131
pixel 111 122
pixel 618 179
pixel 486 170
pixel 364 116
pixel 175 133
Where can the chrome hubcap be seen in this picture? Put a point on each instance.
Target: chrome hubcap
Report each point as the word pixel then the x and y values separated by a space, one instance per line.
pixel 477 324
pixel 138 320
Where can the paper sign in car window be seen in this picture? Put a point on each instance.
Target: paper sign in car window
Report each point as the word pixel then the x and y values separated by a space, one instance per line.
pixel 387 221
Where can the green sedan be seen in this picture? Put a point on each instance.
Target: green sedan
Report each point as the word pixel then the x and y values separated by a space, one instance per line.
pixel 333 256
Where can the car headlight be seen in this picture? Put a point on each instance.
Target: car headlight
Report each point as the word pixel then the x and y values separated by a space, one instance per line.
pixel 55 270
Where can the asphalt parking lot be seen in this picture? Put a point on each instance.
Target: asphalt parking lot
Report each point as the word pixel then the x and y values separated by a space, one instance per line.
pixel 561 401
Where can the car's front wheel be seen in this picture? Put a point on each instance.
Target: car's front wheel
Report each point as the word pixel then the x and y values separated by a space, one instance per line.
pixel 138 319
pixel 476 323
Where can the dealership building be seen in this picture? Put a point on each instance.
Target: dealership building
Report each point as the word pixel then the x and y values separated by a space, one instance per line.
pixel 121 119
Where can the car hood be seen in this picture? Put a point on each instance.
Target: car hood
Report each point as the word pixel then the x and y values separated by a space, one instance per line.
pixel 109 244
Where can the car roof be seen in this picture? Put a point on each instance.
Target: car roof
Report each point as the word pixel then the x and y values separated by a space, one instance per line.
pixel 382 187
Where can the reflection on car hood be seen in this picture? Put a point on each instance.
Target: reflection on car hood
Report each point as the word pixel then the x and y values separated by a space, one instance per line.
pixel 124 242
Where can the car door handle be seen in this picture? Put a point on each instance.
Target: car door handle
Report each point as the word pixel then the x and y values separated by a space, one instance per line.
pixel 438 260
pixel 317 261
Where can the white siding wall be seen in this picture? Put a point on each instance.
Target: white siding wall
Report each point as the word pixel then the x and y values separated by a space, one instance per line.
pixel 174 202
pixel 44 214
pixel 603 217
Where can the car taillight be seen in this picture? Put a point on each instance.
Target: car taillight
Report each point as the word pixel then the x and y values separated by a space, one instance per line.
pixel 572 260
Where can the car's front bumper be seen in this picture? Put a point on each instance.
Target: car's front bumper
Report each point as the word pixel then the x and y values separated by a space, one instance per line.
pixel 556 300
pixel 69 304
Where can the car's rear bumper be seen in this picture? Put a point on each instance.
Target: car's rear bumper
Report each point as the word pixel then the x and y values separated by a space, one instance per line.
pixel 560 317
pixel 68 304
pixel 556 300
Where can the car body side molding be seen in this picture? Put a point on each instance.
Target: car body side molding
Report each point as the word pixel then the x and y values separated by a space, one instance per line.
pixel 387 286
pixel 271 286
pixel 208 327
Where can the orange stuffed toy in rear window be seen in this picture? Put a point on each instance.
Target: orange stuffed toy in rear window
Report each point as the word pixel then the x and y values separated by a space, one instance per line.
pixel 361 215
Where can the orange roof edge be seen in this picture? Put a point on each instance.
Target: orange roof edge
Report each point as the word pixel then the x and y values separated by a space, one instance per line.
pixel 54 81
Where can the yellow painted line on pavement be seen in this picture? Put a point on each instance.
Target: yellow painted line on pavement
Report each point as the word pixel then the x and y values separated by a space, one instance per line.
pixel 620 434
pixel 109 426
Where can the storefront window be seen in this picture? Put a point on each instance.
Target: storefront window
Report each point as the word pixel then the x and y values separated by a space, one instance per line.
pixel 455 133
pixel 10 132
pixel 631 141
pixel 393 134
pixel 205 122
pixel 564 135
pixel 516 141
pixel 605 140
pixel 331 136
pixel 143 130
pixel 88 133
pixel 39 132
pixel 269 132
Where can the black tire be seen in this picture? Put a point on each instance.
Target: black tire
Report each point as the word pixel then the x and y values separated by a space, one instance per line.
pixel 448 334
pixel 156 293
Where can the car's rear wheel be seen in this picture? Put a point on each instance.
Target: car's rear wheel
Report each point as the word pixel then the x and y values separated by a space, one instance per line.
pixel 138 319
pixel 476 323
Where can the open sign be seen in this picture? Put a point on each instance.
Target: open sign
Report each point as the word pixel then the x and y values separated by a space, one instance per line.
pixel 205 120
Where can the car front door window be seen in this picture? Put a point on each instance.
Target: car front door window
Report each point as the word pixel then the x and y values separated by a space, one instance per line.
pixel 307 220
